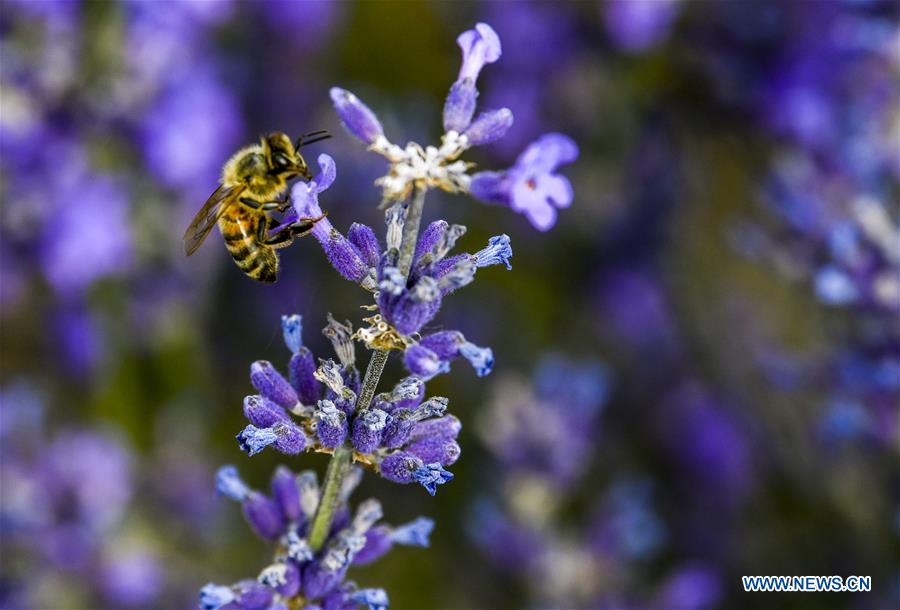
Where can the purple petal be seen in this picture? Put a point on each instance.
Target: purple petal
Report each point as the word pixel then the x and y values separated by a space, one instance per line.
pixel 533 203
pixel 493 187
pixel 479 47
pixel 327 173
pixel 460 105
pixel 547 153
pixel 556 188
pixel 356 116
pixel 489 127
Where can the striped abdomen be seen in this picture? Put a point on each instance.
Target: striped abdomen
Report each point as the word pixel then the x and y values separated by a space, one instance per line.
pixel 241 229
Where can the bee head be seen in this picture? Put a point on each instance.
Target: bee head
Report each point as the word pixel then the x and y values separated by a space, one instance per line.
pixel 283 157
pixel 279 152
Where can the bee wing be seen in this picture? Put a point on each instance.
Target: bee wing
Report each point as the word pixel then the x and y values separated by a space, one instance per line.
pixel 206 218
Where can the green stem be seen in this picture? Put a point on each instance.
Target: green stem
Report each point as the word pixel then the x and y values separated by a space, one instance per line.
pixel 411 230
pixel 340 459
pixel 370 381
pixel 334 477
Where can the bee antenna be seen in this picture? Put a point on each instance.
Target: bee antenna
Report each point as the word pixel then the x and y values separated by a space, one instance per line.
pixel 312 138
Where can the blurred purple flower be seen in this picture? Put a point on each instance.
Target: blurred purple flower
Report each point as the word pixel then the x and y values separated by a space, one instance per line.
pixel 93 490
pixel 691 587
pixel 306 25
pixel 548 430
pixel 532 186
pixel 635 304
pixel 637 25
pixel 89 236
pixel 130 578
pixel 61 501
pixel 79 340
pixel 510 546
pixel 627 525
pixel 190 128
pixel 706 438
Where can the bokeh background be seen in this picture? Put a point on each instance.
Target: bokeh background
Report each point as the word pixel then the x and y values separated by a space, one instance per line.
pixel 697 368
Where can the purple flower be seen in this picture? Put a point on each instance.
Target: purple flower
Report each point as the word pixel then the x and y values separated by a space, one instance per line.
pixel 531 186
pixel 416 166
pixel 270 383
pixel 356 116
pixel 511 546
pixel 213 597
pixel 489 126
pixel 692 587
pixel 636 25
pixel 193 125
pixel 64 499
pixel 320 576
pixel 414 533
pixel 343 254
pixel 375 599
pixel 432 475
pixel 479 47
pixel 707 440
pixel 80 341
pixel 306 25
pixel 548 430
pixel 132 578
pixel 403 467
pixel 399 424
pixel 627 525
pixel 409 304
pixel 79 250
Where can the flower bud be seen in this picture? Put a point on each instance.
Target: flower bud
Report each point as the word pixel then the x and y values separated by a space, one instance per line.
pixel 356 116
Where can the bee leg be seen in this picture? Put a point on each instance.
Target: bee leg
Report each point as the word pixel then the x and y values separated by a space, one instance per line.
pixel 285 236
pixel 285 203
pixel 281 238
pixel 265 206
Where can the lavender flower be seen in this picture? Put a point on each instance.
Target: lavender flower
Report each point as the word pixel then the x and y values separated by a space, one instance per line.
pixel 402 436
pixel 331 406
pixel 344 255
pixel 479 46
pixel 298 574
pixel 65 499
pixel 547 430
pixel 531 186
pixel 637 25
pixel 851 261
pixel 406 305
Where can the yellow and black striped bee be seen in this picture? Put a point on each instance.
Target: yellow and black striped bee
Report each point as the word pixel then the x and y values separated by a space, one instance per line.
pixel 255 183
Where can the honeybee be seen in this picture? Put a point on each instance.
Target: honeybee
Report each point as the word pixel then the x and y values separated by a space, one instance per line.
pixel 254 183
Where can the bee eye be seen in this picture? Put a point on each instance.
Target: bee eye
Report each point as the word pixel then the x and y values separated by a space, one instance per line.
pixel 281 160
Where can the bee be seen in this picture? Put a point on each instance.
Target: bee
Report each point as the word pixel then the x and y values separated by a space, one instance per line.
pixel 254 183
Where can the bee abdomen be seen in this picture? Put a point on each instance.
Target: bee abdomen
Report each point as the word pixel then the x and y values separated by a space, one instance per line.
pixel 259 262
pixel 256 260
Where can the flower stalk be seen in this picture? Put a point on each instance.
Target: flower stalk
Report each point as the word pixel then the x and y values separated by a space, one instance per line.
pixel 411 230
pixel 334 479
pixel 340 459
pixel 339 464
